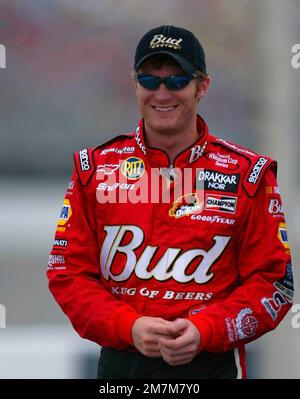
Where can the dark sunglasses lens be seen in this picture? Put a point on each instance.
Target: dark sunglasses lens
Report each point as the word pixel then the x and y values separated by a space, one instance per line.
pixel 151 82
pixel 148 81
pixel 177 82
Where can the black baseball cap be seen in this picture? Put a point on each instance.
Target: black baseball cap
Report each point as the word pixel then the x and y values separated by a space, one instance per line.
pixel 179 43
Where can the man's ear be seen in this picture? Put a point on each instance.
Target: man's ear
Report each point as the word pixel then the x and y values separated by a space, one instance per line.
pixel 202 87
pixel 135 82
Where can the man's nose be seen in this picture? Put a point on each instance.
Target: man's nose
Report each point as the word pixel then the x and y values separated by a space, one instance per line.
pixel 162 92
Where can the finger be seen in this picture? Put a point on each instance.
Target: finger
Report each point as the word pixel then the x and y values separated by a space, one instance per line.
pixel 186 351
pixel 161 328
pixel 177 326
pixel 178 343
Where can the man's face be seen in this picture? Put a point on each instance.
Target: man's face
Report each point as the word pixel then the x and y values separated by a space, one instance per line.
pixel 166 111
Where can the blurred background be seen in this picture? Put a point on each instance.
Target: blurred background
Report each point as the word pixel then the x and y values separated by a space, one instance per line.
pixel 67 85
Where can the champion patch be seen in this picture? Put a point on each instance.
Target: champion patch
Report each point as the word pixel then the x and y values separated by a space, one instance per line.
pixel 220 203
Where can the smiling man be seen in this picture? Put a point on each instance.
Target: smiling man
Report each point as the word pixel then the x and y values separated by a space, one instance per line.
pixel 172 289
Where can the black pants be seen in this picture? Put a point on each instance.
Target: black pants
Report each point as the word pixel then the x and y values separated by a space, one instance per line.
pixel 123 364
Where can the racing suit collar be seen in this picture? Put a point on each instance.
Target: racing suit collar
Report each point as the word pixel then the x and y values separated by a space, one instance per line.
pixel 158 157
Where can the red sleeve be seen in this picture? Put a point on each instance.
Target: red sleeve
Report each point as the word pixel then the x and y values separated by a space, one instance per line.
pixel 265 290
pixel 74 275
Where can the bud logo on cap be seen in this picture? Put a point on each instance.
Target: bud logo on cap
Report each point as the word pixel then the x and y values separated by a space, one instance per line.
pixel 163 41
pixel 178 43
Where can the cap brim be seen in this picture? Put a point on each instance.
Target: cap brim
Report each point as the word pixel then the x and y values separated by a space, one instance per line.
pixel 184 65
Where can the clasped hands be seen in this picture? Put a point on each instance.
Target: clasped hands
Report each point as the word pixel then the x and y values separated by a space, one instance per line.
pixel 177 342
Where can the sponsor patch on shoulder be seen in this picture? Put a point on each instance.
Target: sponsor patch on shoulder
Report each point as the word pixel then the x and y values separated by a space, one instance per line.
pixel 85 164
pixel 84 161
pixel 255 173
pixel 256 170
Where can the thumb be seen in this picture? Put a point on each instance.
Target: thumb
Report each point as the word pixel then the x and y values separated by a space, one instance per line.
pixel 177 326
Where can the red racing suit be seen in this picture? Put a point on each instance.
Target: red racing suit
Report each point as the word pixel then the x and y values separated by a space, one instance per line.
pixel 203 239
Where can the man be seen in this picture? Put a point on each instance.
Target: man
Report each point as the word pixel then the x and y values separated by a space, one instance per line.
pixel 171 250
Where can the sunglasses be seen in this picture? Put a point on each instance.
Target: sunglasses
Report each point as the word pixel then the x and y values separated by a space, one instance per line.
pixel 173 82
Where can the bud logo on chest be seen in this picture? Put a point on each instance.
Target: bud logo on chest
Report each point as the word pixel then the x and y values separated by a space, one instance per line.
pixel 173 263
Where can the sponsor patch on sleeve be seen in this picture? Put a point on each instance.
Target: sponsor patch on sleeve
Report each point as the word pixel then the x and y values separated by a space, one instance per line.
pixel 283 236
pixel 286 285
pixel 60 243
pixel 274 304
pixel 56 262
pixel 65 214
pixel 243 326
pixel 276 208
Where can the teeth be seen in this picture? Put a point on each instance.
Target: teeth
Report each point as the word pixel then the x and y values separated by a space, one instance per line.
pixel 164 109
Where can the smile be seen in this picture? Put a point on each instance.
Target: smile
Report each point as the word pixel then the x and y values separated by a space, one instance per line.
pixel 165 109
